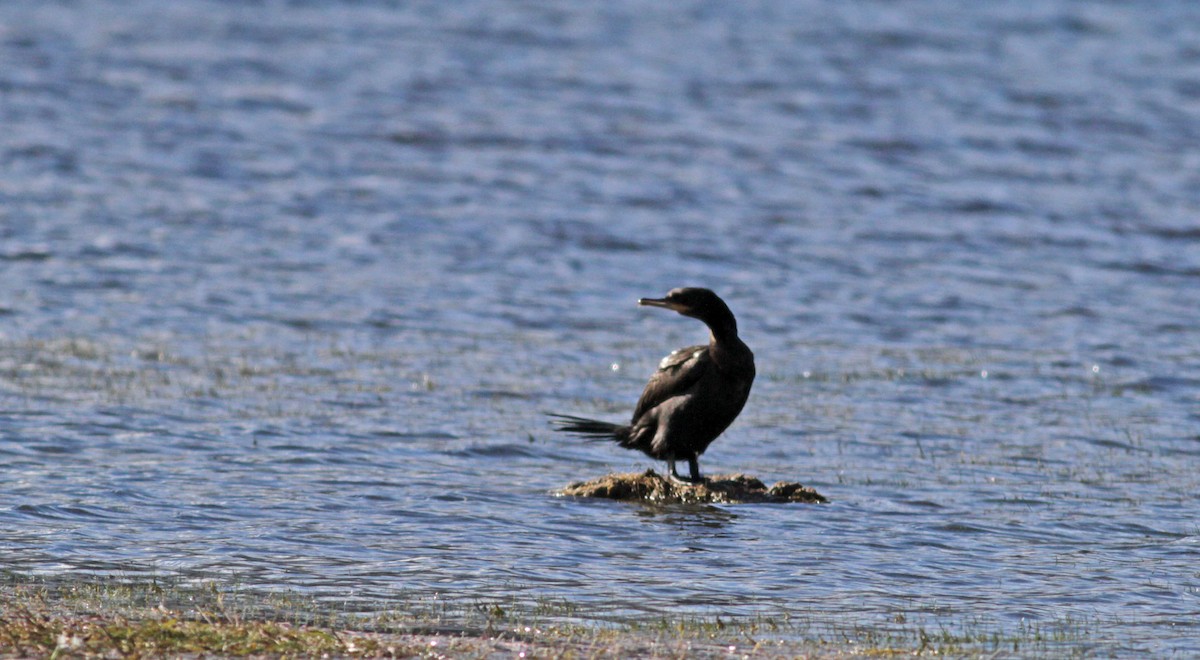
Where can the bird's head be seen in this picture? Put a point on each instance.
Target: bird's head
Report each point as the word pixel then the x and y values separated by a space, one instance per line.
pixel 695 302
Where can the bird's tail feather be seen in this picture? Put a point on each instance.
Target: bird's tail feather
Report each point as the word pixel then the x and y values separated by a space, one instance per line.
pixel 593 429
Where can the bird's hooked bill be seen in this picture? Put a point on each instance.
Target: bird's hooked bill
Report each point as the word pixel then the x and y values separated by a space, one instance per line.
pixel 658 302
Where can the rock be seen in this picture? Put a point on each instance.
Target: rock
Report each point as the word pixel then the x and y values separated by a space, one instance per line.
pixel 650 486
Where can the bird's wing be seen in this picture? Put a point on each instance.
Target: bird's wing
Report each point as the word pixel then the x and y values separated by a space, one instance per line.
pixel 676 374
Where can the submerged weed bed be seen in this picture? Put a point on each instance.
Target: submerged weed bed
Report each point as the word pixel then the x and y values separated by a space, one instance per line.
pixel 104 618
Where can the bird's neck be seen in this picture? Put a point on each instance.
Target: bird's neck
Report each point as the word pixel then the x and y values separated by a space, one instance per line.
pixel 723 334
pixel 727 350
pixel 722 328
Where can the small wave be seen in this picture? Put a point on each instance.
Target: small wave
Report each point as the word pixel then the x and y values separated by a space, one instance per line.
pixel 63 512
pixel 498 450
pixel 1162 384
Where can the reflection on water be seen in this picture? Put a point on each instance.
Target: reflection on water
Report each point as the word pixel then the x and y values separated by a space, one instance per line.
pixel 286 288
pixel 688 519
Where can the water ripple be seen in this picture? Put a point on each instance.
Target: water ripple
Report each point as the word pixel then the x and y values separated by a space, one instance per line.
pixel 286 290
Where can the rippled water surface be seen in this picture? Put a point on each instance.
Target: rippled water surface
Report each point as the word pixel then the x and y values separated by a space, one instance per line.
pixel 287 288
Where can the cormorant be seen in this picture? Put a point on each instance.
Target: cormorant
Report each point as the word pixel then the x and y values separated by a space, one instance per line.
pixel 696 393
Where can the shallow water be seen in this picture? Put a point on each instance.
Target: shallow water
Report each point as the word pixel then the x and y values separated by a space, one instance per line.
pixel 286 289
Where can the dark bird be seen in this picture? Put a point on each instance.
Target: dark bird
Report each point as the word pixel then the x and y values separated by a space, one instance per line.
pixel 694 396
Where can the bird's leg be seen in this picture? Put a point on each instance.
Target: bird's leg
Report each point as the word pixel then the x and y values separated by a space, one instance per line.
pixel 671 468
pixel 693 478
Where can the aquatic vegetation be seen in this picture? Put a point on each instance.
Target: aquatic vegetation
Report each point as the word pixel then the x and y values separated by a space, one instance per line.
pixel 33 622
pixel 649 486
pixel 162 617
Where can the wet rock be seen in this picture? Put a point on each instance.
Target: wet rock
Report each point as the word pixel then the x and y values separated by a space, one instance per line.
pixel 650 486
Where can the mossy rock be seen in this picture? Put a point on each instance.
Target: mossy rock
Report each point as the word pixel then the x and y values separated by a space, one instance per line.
pixel 649 486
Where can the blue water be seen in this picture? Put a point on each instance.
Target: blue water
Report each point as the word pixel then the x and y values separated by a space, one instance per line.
pixel 286 288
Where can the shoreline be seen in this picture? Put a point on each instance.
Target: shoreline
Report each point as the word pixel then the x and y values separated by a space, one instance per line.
pixel 90 617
